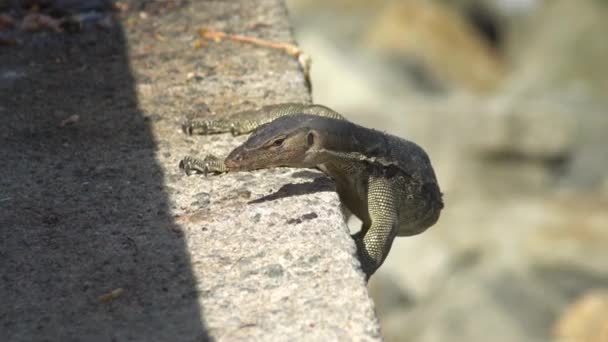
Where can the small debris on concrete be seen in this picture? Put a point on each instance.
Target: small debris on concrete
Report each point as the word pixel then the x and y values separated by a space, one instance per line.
pixel 112 295
pixel 305 217
pixel 72 119
pixel 291 49
pixel 40 22
pixel 6 22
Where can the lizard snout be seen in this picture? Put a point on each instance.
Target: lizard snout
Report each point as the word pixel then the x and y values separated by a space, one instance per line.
pixel 233 161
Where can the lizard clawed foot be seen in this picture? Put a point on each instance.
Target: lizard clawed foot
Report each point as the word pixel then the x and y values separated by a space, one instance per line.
pixel 234 131
pixel 210 164
pixel 191 126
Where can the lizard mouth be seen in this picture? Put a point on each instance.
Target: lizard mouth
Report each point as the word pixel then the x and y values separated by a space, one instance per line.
pixel 232 165
pixel 236 162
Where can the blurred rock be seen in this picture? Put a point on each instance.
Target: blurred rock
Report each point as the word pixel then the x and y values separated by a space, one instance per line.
pixel 563 135
pixel 502 8
pixel 586 320
pixel 337 71
pixel 562 71
pixel 570 229
pixel 521 159
pixel 390 294
pixel 542 130
pixel 506 304
pixel 550 55
pixel 441 41
pixel 517 6
pixel 467 307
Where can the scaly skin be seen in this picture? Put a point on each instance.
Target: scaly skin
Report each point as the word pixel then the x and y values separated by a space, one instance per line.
pixel 386 181
pixel 247 121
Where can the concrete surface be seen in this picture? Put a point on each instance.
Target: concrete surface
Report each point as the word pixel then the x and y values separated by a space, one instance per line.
pixel 104 239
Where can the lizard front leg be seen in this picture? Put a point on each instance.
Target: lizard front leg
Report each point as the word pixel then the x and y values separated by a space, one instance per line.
pixel 219 125
pixel 374 242
pixel 237 124
pixel 247 121
pixel 210 164
pixel 241 123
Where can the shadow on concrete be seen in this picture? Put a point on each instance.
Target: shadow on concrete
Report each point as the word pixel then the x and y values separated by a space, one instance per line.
pixel 82 207
pixel 319 184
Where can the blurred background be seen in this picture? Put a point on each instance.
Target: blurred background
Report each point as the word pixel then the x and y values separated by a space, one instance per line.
pixel 508 97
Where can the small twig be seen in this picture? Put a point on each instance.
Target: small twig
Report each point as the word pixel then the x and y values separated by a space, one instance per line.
pixel 290 49
pixel 69 120
pixel 110 296
pixel 217 36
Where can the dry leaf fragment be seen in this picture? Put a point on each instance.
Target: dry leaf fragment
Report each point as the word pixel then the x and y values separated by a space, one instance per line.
pixel 290 49
pixel 217 36
pixel 69 120
pixel 39 22
pixel 198 44
pixel 105 298
pixel 6 22
pixel 160 37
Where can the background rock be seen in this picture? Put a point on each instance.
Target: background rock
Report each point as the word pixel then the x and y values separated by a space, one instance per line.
pixel 586 320
pixel 422 35
pixel 522 165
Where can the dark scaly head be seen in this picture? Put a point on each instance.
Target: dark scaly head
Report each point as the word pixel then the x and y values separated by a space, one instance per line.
pixel 285 141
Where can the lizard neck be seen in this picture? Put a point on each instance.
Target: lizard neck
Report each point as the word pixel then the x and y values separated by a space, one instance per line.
pixel 344 136
pixel 339 144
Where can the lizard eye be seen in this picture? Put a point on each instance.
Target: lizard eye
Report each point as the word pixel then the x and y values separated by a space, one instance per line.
pixel 278 142
pixel 310 138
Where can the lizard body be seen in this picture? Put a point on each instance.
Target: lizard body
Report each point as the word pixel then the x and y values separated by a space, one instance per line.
pixel 386 181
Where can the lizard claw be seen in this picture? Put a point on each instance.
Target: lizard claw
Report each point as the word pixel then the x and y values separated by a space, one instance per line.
pixel 186 165
pixel 187 129
pixel 234 131
pixel 195 127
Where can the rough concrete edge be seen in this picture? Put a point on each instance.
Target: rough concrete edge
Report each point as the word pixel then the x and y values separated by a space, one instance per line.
pixel 330 270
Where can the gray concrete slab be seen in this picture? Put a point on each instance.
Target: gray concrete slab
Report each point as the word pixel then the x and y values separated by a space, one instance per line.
pixel 102 238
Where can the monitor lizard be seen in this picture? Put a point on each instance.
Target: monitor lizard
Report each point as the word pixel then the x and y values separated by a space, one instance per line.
pixel 386 181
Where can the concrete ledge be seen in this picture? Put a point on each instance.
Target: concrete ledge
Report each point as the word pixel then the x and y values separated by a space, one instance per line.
pixel 105 239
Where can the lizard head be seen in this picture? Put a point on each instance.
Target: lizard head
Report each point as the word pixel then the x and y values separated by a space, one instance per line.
pixel 282 142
